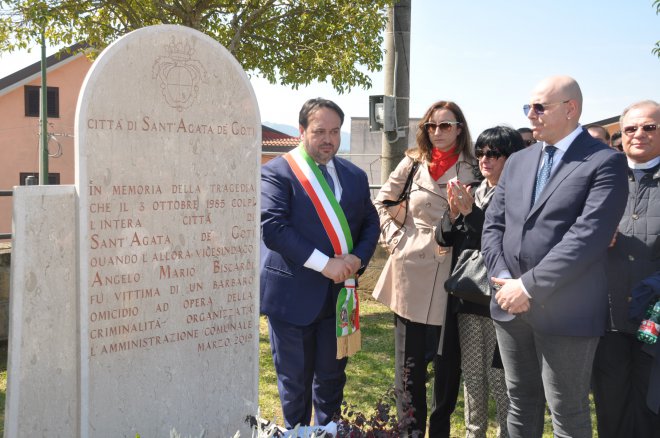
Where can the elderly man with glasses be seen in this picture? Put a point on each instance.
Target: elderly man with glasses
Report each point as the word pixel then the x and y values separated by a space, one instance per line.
pixel 553 214
pixel 623 364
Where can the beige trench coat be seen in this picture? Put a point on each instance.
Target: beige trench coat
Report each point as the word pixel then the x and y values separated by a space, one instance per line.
pixel 412 281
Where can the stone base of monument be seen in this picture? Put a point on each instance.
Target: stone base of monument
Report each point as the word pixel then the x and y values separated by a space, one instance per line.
pixel 42 371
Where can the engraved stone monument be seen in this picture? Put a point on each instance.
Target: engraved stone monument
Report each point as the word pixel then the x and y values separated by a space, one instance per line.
pixel 167 182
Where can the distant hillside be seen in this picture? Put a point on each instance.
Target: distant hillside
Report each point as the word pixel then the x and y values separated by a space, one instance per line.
pixel 293 131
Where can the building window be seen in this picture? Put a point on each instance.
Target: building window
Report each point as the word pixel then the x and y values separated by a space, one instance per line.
pixel 53 178
pixel 32 101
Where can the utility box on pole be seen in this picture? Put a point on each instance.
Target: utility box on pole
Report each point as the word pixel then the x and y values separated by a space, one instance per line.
pixel 382 113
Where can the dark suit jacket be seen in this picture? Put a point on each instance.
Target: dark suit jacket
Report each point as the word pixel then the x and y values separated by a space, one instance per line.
pixel 291 230
pixel 558 246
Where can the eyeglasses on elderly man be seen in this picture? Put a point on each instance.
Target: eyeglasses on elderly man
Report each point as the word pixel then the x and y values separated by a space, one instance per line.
pixel 630 130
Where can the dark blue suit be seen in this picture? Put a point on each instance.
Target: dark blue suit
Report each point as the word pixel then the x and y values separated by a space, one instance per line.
pixel 298 301
pixel 557 247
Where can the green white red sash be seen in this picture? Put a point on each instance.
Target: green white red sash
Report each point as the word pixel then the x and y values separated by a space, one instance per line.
pixel 336 226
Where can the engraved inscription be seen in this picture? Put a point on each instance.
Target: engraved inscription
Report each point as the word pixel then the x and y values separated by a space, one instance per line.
pixel 168 267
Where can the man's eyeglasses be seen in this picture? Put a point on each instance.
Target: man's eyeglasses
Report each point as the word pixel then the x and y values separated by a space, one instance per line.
pixel 443 126
pixel 539 108
pixel 530 142
pixel 630 130
pixel 488 154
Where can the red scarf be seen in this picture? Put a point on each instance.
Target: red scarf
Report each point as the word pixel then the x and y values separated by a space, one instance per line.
pixel 441 161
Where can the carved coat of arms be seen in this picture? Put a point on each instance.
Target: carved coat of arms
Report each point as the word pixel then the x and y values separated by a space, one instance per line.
pixel 179 75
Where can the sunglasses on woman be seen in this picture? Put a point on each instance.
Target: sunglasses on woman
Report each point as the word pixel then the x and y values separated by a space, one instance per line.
pixel 540 108
pixel 488 154
pixel 443 126
pixel 630 130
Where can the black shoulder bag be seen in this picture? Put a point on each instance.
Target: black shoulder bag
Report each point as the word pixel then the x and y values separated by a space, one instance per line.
pixel 469 279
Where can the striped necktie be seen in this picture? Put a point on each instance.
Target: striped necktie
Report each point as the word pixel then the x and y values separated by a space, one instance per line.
pixel 544 173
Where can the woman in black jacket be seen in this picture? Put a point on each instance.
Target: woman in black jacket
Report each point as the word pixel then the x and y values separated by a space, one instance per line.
pixel 460 227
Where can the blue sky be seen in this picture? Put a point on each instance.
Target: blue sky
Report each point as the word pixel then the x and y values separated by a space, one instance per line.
pixel 488 55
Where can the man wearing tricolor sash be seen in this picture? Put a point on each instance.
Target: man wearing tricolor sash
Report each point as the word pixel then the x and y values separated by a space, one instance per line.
pixel 319 230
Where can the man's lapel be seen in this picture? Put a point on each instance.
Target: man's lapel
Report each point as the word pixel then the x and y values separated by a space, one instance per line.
pixel 528 179
pixel 571 160
pixel 344 177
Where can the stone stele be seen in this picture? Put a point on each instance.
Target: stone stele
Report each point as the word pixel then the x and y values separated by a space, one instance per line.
pixel 168 138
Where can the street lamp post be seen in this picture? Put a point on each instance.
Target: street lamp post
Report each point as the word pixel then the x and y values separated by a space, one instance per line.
pixel 43 119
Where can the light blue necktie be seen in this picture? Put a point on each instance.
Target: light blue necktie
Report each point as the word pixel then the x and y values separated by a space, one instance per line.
pixel 544 173
pixel 328 178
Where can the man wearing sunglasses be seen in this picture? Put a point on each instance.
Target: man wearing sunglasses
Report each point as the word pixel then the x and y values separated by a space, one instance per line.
pixel 545 238
pixel 623 364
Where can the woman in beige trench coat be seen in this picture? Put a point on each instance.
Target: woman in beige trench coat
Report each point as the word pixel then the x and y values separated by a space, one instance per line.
pixel 412 281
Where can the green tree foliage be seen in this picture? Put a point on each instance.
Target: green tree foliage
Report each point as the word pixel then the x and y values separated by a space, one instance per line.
pixel 293 42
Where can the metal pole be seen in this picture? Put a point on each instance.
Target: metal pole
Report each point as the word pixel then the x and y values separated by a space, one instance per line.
pixel 43 120
pixel 396 64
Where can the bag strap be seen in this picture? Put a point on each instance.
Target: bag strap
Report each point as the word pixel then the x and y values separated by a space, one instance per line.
pixel 407 187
